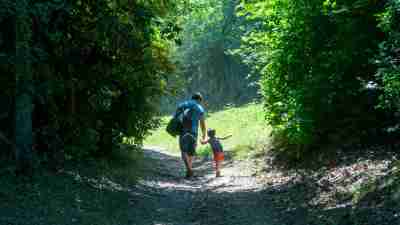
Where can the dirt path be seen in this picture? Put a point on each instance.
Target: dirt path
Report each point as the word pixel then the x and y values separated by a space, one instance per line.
pixel 163 197
pixel 244 196
pixel 356 191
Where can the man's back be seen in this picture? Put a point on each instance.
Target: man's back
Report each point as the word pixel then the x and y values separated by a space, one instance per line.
pixel 194 112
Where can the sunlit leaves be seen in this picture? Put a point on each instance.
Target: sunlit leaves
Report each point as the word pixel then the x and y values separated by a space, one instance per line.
pixel 388 59
pixel 309 54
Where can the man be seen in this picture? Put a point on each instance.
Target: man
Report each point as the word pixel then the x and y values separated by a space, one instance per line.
pixel 193 115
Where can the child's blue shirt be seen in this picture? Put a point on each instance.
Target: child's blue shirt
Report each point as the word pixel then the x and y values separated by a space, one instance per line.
pixel 216 145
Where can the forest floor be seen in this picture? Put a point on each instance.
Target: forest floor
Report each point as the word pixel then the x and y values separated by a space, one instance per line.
pixel 348 185
pixel 252 191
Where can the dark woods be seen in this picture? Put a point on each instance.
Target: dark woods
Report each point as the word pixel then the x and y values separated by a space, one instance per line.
pixel 85 74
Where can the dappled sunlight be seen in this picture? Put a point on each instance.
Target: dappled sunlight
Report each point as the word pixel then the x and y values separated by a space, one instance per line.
pixel 102 183
pixel 171 184
pixel 246 124
pixel 248 194
pixel 290 108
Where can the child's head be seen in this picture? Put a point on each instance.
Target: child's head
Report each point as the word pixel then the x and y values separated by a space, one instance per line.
pixel 211 132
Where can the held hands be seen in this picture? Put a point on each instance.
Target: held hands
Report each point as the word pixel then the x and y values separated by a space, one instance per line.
pixel 204 140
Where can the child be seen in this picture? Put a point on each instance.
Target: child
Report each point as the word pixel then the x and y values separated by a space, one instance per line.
pixel 217 149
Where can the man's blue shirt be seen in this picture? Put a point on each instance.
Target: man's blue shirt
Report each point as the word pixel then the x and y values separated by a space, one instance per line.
pixel 197 113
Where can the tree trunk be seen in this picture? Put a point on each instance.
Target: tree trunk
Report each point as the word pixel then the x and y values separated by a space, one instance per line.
pixel 24 91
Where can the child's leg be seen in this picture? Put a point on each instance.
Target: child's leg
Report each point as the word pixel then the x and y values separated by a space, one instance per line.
pixel 217 168
pixel 218 158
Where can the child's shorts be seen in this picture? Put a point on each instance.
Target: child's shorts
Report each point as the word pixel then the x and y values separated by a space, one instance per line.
pixel 219 156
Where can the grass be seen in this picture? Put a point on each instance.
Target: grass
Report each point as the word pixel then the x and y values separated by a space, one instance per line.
pixel 245 123
pixel 94 192
pixel 97 191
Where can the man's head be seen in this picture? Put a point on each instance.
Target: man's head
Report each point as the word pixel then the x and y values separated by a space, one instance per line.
pixel 197 96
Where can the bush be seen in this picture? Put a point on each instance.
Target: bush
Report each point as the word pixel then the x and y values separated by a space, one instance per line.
pixel 315 59
pixel 388 59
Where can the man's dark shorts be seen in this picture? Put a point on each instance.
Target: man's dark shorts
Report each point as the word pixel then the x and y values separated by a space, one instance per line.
pixel 188 143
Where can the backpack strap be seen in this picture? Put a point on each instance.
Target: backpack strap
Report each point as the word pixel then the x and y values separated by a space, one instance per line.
pixel 182 109
pixel 187 118
pixel 179 111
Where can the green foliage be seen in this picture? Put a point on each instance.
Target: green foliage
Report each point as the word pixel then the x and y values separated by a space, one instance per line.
pixel 210 31
pixel 314 57
pixel 99 69
pixel 388 59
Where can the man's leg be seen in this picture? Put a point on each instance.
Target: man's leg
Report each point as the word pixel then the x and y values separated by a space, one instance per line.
pixel 190 160
pixel 190 155
pixel 185 158
pixel 188 145
pixel 183 146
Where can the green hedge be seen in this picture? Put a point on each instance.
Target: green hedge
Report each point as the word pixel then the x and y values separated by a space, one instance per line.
pixel 316 59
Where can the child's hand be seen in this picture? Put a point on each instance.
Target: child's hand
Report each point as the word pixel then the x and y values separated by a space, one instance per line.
pixel 229 136
pixel 203 142
pixel 226 137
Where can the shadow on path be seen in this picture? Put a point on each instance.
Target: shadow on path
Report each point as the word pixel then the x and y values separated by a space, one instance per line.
pixel 164 197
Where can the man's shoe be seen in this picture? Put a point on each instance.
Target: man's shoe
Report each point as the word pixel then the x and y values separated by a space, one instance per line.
pixel 189 174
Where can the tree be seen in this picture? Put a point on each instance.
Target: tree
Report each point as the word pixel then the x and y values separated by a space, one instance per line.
pixel 211 30
pixel 8 78
pixel 85 73
pixel 24 88
pixel 315 59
